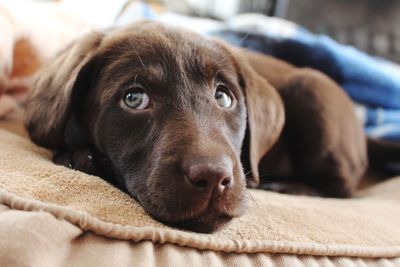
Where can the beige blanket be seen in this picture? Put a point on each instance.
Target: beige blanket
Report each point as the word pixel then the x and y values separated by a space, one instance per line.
pixel 365 226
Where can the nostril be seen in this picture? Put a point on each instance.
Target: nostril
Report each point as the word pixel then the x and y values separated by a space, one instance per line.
pixel 226 182
pixel 202 184
pixel 207 174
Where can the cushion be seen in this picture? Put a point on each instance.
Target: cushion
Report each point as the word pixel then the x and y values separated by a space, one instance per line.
pixel 52 214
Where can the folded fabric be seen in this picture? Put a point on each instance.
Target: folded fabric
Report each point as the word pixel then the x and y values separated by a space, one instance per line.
pixel 32 32
pixel 12 94
pixel 365 226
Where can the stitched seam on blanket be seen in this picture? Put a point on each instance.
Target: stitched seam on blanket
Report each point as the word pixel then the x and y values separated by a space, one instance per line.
pixel 88 222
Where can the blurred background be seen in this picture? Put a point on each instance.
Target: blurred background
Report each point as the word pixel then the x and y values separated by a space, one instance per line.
pixel 370 25
pixel 301 32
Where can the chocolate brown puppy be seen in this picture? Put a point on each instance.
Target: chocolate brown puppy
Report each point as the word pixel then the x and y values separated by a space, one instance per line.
pixel 176 120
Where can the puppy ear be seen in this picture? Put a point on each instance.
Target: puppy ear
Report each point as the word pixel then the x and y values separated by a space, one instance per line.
pixel 265 117
pixel 49 104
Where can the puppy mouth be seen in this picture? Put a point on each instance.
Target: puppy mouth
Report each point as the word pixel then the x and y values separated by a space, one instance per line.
pixel 193 210
pixel 203 220
pixel 207 221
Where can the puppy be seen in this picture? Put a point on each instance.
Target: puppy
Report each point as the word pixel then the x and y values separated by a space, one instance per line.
pixel 176 120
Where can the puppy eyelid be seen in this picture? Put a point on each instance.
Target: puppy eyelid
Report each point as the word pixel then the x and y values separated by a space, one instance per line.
pixel 130 86
pixel 221 79
pixel 227 88
pixel 141 94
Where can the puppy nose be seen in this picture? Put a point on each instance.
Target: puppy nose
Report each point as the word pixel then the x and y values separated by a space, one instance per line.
pixel 209 173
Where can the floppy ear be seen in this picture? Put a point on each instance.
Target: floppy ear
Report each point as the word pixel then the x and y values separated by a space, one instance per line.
pixel 265 117
pixel 49 104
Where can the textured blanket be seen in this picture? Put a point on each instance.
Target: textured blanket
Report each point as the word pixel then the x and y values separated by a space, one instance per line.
pixel 365 226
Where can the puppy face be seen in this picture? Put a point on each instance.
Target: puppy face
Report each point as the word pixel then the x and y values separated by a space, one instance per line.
pixel 162 105
pixel 165 109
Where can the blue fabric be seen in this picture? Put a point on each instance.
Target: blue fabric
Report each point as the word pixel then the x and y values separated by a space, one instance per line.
pixel 370 81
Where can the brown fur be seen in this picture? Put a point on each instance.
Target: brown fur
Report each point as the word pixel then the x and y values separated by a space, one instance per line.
pixel 322 136
pixel 75 109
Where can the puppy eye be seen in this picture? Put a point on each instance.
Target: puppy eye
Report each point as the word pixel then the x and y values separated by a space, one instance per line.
pixel 136 98
pixel 224 100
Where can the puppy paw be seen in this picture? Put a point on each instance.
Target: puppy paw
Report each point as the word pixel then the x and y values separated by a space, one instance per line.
pixel 80 159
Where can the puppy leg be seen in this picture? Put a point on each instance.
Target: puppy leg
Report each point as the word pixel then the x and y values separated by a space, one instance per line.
pixel 325 141
pixel 85 160
pixel 80 159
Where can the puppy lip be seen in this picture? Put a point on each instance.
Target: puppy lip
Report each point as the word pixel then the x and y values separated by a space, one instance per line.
pixel 205 222
pixel 217 211
pixel 210 212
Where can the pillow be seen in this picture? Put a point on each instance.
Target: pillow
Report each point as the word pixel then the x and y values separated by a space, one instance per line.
pixel 366 227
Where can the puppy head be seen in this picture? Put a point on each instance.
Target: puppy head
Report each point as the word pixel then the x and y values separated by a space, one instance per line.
pixel 167 110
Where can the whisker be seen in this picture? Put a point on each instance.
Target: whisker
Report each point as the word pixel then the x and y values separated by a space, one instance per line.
pixel 250 197
pixel 244 38
pixel 248 172
pixel 138 56
pixel 134 81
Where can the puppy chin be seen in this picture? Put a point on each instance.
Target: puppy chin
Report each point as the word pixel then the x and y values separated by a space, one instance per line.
pixel 208 222
pixel 189 211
